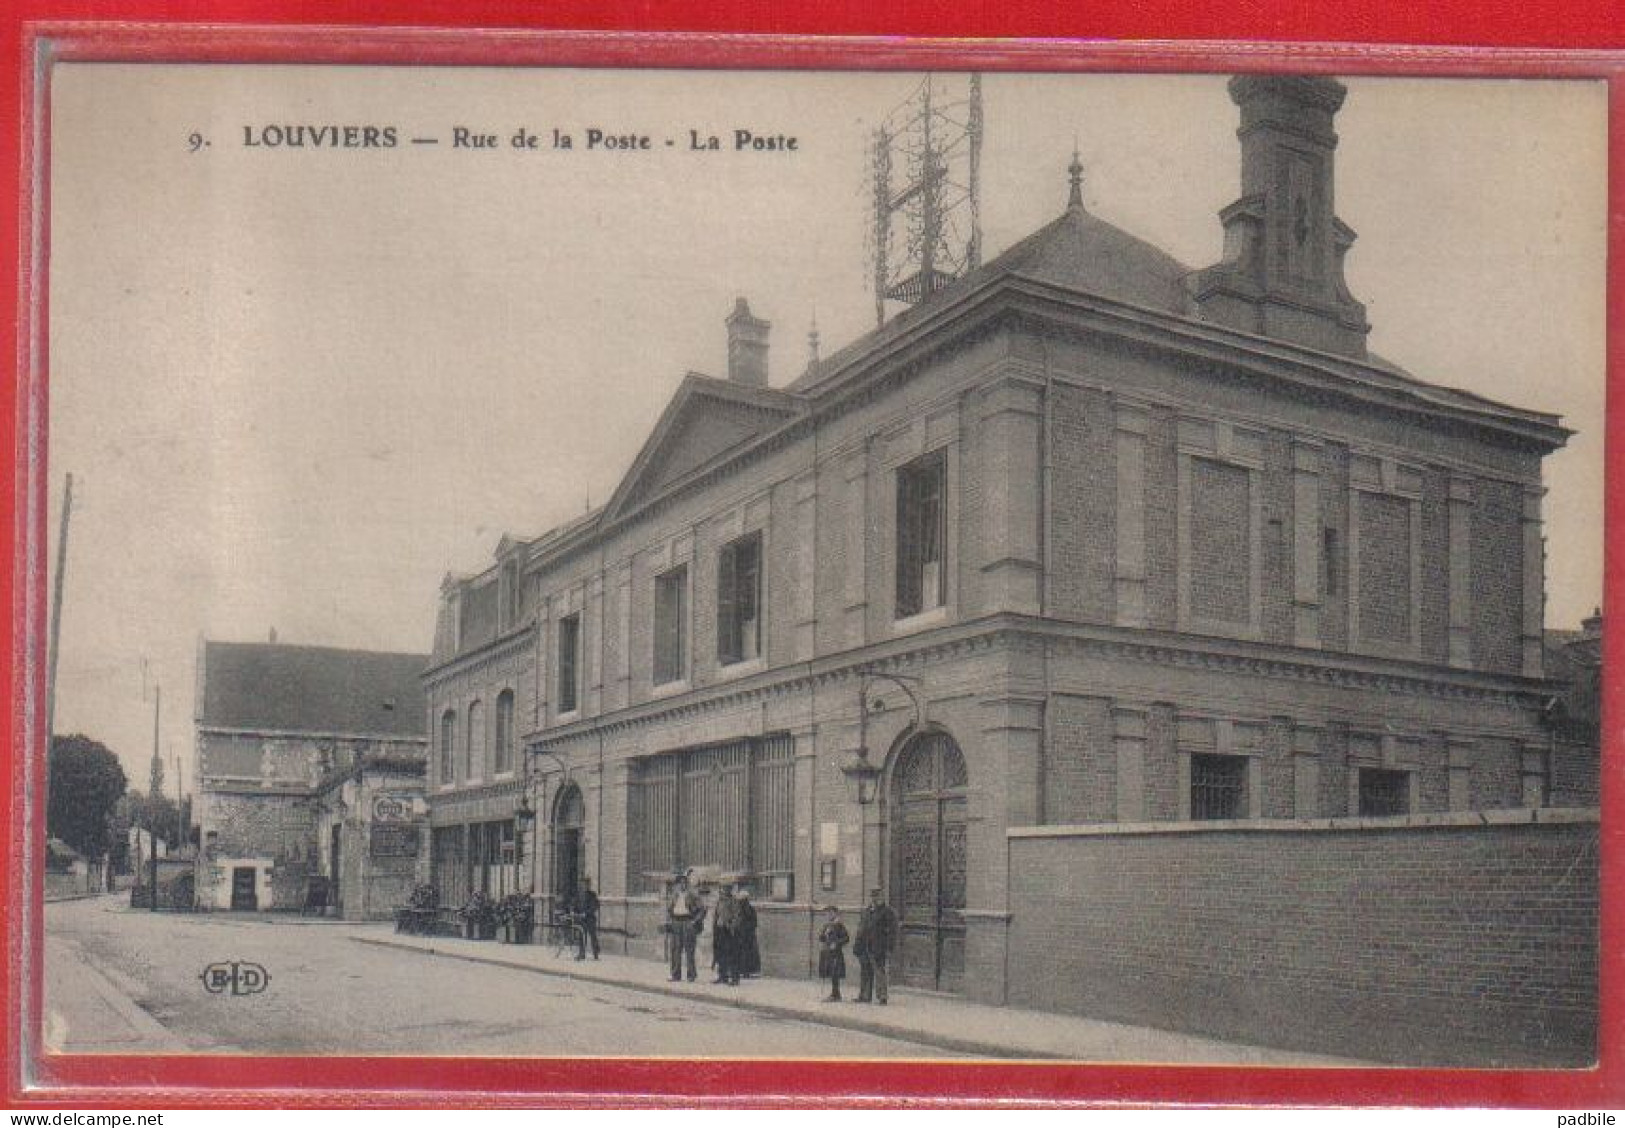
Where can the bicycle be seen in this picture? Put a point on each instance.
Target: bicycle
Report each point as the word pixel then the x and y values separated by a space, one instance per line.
pixel 565 934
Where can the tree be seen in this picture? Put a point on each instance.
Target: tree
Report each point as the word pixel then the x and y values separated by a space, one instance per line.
pixel 86 782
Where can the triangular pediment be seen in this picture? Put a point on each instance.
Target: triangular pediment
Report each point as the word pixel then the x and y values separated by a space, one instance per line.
pixel 507 546
pixel 705 420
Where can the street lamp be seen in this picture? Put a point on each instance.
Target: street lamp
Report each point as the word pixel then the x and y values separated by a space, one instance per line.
pixel 863 774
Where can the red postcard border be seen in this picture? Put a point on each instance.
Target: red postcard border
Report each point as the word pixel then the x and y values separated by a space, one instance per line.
pixel 180 1081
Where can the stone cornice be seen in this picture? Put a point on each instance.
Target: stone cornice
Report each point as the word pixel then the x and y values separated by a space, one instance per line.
pixel 514 641
pixel 314 737
pixel 1416 679
pixel 475 794
pixel 1283 362
pixel 1442 820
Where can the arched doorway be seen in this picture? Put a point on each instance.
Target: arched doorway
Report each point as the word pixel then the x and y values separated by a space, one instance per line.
pixel 926 822
pixel 569 817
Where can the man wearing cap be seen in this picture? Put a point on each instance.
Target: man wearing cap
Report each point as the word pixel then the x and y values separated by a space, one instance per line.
pixel 685 916
pixel 877 937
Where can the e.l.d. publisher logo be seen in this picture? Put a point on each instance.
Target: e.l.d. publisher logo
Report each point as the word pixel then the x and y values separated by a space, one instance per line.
pixel 235 977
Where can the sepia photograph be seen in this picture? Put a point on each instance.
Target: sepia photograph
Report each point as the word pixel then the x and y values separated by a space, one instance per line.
pixel 554 562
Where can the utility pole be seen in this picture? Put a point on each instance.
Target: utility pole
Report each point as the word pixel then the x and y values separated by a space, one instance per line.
pixel 56 622
pixel 152 799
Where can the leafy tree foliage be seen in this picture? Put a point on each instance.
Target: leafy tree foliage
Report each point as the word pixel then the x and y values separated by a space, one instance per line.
pixel 86 782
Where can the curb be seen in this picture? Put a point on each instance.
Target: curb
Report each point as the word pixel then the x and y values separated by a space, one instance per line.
pixel 842 1021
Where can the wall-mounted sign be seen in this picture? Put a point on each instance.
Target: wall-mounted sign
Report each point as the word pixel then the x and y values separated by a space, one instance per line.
pixel 391 807
pixel 392 840
pixel 829 839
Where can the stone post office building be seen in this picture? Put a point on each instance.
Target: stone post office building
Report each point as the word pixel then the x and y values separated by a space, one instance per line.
pixel 1142 634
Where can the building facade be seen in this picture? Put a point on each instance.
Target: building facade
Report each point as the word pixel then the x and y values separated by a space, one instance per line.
pixel 1086 543
pixel 310 765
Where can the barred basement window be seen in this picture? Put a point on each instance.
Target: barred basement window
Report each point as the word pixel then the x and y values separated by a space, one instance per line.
pixel 739 600
pixel 728 807
pixel 920 535
pixel 1384 792
pixel 1218 786
pixel 671 625
pixel 569 662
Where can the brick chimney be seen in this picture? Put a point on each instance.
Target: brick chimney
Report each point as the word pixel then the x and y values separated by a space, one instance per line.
pixel 1282 271
pixel 747 346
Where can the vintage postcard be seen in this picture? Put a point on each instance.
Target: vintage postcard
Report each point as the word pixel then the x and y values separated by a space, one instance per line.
pixel 824 564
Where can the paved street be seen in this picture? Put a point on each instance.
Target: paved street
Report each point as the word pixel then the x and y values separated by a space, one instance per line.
pixel 120 981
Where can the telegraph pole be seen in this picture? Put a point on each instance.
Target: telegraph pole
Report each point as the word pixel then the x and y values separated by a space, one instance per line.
pixel 154 795
pixel 56 622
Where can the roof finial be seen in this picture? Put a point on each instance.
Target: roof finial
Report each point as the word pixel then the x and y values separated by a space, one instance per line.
pixel 1075 173
pixel 812 340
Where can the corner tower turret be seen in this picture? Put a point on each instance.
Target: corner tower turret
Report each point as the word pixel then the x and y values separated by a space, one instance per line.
pixel 1282 271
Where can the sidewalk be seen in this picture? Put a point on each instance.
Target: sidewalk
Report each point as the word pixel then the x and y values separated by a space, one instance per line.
pixel 938 1021
pixel 105 1019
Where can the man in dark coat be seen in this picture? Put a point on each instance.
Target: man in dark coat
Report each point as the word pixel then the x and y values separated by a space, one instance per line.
pixel 685 918
pixel 747 956
pixel 724 922
pixel 877 938
pixel 586 913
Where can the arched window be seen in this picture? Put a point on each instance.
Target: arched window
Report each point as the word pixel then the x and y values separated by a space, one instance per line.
pixel 503 761
pixel 448 746
pixel 475 762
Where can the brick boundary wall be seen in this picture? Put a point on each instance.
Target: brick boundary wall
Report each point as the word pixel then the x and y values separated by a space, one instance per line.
pixel 1428 940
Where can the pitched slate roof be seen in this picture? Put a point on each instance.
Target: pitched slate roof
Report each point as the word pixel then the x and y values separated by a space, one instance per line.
pixel 313 689
pixel 1077 250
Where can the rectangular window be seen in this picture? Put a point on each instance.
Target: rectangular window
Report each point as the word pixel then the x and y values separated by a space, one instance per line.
pixel 920 535
pixel 503 761
pixel 1218 786
pixel 1384 792
pixel 448 746
pixel 739 600
pixel 1328 560
pixel 449 864
pixel 569 662
pixel 671 625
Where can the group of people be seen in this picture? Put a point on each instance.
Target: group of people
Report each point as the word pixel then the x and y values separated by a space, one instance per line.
pixel 734 951
pixel 876 940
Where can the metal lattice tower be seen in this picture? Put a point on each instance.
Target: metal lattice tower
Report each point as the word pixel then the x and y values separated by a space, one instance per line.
pixel 927 227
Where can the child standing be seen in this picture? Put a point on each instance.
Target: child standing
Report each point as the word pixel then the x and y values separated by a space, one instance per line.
pixel 832 941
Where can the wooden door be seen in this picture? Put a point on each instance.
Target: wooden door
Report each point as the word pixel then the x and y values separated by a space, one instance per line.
pixel 927 825
pixel 244 894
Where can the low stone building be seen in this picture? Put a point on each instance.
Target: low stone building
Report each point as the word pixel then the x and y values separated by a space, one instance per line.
pixel 310 765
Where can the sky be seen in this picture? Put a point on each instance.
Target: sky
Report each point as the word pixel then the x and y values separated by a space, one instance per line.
pixel 296 387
